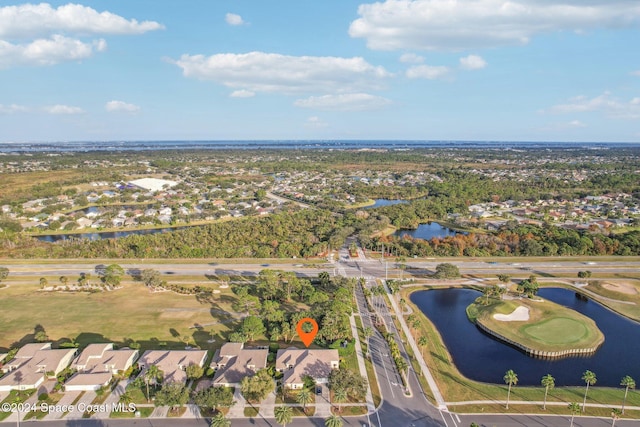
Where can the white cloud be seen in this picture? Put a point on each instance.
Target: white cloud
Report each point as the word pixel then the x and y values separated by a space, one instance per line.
pixel 605 103
pixel 576 124
pixel 315 122
pixel 343 102
pixel 473 62
pixel 47 51
pixel 233 19
pixel 63 109
pixel 635 73
pixel 33 20
pixel 42 35
pixel 121 107
pixel 411 58
pixel 272 72
pixel 242 93
pixel 458 25
pixel 427 72
pixel 13 108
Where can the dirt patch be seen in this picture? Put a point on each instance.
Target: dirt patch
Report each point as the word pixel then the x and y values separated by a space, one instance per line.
pixel 520 314
pixel 623 288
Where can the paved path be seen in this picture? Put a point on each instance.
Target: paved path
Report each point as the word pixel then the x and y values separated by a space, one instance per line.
pixel 113 399
pixel 237 410
pixel 84 401
pixel 160 412
pixel 67 399
pixel 32 401
pixel 267 406
pixel 537 402
pixel 192 411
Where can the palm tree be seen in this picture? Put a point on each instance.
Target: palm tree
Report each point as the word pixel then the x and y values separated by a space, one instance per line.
pixel 590 379
pixel 628 383
pixel 125 398
pixel 284 414
pixel 574 408
pixel 403 366
pixel 340 396
pixel 368 331
pixel 510 378
pixel 615 414
pixel 153 374
pixel 304 397
pixel 422 342
pixel 219 420
pixel 548 382
pixel 333 421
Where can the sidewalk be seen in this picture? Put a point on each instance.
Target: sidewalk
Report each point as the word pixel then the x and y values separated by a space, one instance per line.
pixel 84 401
pixel 237 410
pixel 539 402
pixel 67 399
pixel 113 398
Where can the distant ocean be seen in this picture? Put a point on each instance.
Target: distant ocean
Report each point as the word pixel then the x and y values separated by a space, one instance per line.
pixel 115 146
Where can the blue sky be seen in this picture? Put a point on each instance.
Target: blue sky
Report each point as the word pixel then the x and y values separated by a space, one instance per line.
pixel 548 70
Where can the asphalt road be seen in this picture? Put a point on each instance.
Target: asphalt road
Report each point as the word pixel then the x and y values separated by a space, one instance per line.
pixel 368 268
pixel 397 409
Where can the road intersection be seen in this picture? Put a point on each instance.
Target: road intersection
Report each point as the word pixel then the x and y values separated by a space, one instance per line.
pixel 400 406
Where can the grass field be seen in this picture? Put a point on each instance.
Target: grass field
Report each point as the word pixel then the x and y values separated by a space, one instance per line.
pixel 559 330
pixel 551 327
pixel 132 312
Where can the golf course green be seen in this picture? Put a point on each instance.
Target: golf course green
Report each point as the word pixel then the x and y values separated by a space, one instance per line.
pixel 537 326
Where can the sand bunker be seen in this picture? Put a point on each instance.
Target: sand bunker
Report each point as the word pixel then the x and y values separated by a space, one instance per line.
pixel 520 314
pixel 623 288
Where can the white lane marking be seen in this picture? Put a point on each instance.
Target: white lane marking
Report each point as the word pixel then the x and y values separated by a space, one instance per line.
pixel 443 419
pixel 458 418
pixel 384 366
pixel 453 419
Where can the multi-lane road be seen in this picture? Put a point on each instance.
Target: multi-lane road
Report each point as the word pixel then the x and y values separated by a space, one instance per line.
pixel 397 408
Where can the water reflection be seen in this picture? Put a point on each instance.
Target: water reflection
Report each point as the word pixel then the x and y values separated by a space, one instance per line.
pixel 482 358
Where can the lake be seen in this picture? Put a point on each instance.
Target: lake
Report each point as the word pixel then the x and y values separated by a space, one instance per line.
pixel 482 358
pixel 428 231
pixel 386 202
pixel 104 234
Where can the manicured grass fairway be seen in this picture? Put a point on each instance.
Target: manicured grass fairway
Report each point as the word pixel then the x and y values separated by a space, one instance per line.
pixel 551 327
pixel 557 331
pixel 131 312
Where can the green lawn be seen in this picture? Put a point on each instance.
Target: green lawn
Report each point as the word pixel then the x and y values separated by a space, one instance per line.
pixel 558 330
pixel 132 312
pixel 551 327
pixel 145 412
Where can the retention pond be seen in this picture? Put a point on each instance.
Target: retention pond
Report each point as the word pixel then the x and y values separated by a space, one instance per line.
pixel 483 358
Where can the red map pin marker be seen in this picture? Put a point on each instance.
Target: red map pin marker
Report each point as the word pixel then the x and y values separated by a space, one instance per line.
pixel 307 337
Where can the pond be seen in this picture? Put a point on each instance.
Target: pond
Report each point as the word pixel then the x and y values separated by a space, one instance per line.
pixel 386 202
pixel 428 231
pixel 483 358
pixel 104 234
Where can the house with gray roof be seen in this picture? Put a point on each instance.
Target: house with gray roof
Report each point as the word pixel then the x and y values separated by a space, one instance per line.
pixel 33 364
pixel 233 362
pixel 296 364
pixel 172 363
pixel 97 364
